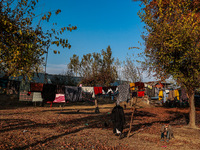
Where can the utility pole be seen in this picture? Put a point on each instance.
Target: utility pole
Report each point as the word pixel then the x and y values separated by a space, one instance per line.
pixel 45 76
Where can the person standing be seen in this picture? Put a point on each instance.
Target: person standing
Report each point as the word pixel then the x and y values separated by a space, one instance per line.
pixel 118 120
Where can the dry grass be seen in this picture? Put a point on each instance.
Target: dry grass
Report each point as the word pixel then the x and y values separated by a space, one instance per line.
pixel 78 127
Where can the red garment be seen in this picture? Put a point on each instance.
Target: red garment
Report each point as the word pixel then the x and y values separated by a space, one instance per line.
pixel 36 87
pixel 97 90
pixel 140 93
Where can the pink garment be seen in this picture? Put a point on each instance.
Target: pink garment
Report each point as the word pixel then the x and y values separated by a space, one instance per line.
pixel 60 98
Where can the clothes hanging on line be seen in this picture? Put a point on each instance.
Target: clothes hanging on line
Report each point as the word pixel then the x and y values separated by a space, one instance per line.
pixel 147 91
pixel 60 89
pixel 156 92
pixel 73 94
pixel 140 93
pixel 25 96
pixel 97 90
pixel 89 90
pixel 171 95
pixel 140 85
pixel 176 94
pixel 132 86
pixel 36 87
pixel 88 93
pixel 49 92
pixel 37 97
pixel 150 87
pixel 124 94
pixel 164 96
pixel 160 96
pixel 60 98
pixel 109 89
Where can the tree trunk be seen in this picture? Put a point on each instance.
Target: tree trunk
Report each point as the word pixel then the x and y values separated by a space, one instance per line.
pixel 192 115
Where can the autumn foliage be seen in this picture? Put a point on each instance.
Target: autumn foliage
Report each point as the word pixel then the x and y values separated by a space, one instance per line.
pixel 22 45
pixel 172 42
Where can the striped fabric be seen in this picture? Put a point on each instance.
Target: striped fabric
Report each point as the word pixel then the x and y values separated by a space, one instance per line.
pixel 60 98
pixel 25 96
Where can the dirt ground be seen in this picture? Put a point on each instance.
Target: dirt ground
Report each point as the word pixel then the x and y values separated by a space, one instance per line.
pixel 77 127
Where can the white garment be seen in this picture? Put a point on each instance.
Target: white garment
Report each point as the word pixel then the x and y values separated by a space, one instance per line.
pixel 89 90
pixel 117 131
pixel 37 97
pixel 103 92
pixel 110 90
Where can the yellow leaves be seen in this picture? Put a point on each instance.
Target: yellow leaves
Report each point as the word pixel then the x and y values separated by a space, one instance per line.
pixel 5 22
pixel 20 32
pixel 18 53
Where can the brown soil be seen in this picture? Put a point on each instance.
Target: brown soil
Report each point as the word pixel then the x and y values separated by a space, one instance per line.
pixel 78 127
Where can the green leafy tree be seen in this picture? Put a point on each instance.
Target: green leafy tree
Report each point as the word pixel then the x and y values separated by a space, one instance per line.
pixel 22 46
pixel 108 71
pixel 173 43
pixel 86 66
pixel 97 69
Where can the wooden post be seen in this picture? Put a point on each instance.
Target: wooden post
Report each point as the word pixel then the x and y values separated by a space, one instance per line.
pixel 132 114
pixel 96 104
pixel 96 107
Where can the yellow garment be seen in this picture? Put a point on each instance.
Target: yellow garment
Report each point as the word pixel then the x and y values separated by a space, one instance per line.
pixel 160 95
pixel 176 93
pixel 132 86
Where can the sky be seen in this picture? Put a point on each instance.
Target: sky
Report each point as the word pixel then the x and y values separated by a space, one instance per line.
pixel 99 23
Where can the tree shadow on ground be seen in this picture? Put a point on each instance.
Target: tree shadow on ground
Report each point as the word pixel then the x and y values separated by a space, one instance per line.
pixel 183 118
pixel 76 112
pixel 81 123
pixel 49 139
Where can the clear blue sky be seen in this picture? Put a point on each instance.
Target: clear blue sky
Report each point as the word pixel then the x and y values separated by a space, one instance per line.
pixel 100 23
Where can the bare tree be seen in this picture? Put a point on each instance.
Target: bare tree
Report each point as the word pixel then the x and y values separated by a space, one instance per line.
pixel 129 71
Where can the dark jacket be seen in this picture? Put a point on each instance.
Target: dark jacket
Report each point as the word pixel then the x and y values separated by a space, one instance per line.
pixel 118 117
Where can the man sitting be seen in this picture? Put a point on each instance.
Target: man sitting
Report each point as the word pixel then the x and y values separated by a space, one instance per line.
pixel 166 131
